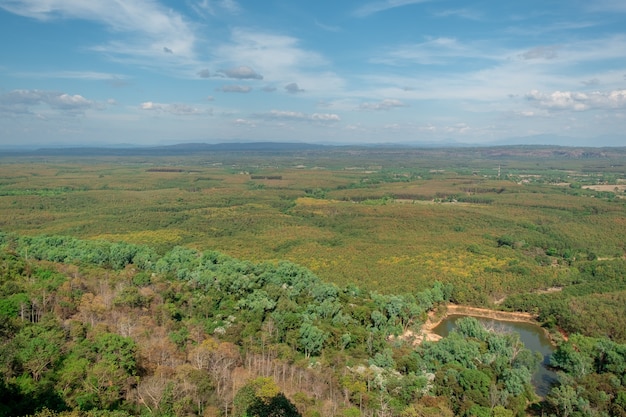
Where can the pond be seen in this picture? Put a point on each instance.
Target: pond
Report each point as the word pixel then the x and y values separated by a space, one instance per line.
pixel 533 337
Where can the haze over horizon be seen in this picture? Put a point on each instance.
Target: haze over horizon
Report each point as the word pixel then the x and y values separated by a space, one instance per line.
pixel 154 72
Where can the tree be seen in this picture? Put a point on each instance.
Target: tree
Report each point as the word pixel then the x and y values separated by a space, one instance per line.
pixel 200 355
pixel 261 397
pixel 112 373
pixel 565 400
pixel 152 390
pixel 452 349
pixel 475 385
pixel 311 339
pixel 383 359
pixel 470 327
pixel 71 376
pixel 571 360
pixel 39 347
pixel 500 411
pixel 516 380
pixel 91 308
pixel 276 406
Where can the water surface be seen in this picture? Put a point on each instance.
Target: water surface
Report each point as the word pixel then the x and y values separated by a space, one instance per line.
pixel 533 337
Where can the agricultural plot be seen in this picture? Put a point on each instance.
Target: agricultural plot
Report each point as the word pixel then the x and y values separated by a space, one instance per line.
pixel 493 222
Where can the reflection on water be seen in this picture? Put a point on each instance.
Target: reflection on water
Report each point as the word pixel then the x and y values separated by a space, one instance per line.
pixel 533 337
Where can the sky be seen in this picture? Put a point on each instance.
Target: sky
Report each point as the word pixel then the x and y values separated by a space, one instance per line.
pixel 156 72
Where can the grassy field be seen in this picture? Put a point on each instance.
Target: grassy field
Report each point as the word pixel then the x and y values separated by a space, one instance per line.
pixel 494 221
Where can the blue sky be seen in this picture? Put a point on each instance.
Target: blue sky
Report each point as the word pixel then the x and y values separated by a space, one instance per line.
pixel 147 72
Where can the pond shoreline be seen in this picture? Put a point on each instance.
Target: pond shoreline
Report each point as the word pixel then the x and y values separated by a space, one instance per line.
pixel 524 326
pixel 435 317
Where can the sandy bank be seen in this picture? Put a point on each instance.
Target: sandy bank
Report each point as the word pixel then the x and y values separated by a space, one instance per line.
pixel 435 317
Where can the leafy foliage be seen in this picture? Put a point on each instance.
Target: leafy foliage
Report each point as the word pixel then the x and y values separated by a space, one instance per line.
pixel 111 304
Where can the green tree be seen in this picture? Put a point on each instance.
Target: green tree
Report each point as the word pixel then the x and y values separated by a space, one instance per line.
pixel 565 400
pixel 571 360
pixel 500 411
pixel 312 339
pixel 38 347
pixel 471 327
pixel 109 376
pixel 475 385
pixel 261 397
pixel 276 406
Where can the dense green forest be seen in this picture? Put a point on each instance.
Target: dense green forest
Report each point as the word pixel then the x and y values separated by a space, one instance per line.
pixel 99 328
pixel 297 284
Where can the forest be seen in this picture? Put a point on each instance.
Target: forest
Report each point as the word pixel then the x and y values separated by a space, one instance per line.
pixel 296 282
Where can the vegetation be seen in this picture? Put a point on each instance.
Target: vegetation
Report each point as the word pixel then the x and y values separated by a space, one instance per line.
pixel 593 379
pixel 195 331
pixel 291 283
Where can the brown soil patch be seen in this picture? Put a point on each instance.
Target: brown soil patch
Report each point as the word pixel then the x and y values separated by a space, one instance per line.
pixel 549 290
pixel 605 187
pixel 490 314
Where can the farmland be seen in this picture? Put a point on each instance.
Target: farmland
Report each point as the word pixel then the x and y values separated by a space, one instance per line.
pixel 389 220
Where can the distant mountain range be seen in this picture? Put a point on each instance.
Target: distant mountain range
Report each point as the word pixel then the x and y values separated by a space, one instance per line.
pixel 170 150
pixel 507 148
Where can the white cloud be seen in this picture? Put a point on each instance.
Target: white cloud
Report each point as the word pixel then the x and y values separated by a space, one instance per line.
pixel 461 128
pixel 582 51
pixel 211 7
pixel 462 13
pixel 385 104
pixel 442 50
pixel 380 6
pixel 280 59
pixel 438 51
pixel 235 89
pixel 27 101
pixel 231 6
pixel 68 102
pixel 540 52
pixel 607 6
pixel 549 27
pixel 286 115
pixel 148 105
pixel 151 28
pixel 327 28
pixel 591 82
pixel 325 117
pixel 271 54
pixel 176 109
pixel 577 101
pixel 244 122
pixel 495 74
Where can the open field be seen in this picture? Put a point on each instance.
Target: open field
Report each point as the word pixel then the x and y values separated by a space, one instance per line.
pixel 489 221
